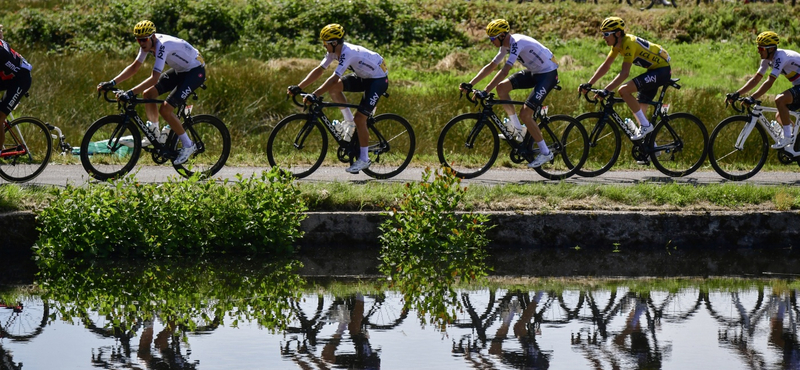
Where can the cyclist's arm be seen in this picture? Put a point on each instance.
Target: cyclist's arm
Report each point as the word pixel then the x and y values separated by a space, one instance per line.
pixel 602 70
pixel 332 80
pixel 485 71
pixel 128 72
pixel 499 77
pixel 750 84
pixel 311 77
pixel 621 77
pixel 146 84
pixel 764 87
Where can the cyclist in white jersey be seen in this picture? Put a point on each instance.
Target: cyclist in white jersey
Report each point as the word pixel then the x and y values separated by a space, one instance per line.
pixel 370 76
pixel 782 61
pixel 187 73
pixel 540 74
pixel 15 79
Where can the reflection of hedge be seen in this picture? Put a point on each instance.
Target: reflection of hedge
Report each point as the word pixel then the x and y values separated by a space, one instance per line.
pixel 178 218
pixel 191 295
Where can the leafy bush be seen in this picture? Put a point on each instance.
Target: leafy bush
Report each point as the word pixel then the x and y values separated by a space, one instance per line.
pixel 178 218
pixel 426 247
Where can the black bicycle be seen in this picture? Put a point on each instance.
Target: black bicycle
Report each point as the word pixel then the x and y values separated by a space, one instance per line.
pixel 469 143
pixel 677 146
pixel 112 145
pixel 298 143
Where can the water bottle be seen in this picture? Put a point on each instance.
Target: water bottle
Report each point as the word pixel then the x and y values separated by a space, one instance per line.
pixel 349 129
pixel 337 127
pixel 776 129
pixel 630 127
pixel 164 133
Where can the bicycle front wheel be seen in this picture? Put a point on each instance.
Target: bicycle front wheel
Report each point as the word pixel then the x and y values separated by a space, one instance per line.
pixel 679 144
pixel 735 163
pixel 391 144
pixel 605 144
pixel 468 145
pixel 27 147
pixel 110 148
pixel 568 141
pixel 297 144
pixel 213 142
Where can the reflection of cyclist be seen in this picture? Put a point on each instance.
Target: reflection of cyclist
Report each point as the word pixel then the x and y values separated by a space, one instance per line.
pixel 531 356
pixel 187 73
pixel 782 61
pixel 15 79
pixel 540 75
pixel 635 51
pixel 370 76
pixel 784 340
pixel 365 357
pixel 639 344
pixel 167 343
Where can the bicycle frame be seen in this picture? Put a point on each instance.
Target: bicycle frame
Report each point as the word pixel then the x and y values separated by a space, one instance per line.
pixel 756 114
pixel 488 115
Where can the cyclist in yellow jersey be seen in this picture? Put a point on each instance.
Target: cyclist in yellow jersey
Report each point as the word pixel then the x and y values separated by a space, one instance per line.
pixel 634 51
pixel 782 61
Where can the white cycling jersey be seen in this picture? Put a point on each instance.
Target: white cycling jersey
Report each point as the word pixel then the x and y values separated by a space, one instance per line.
pixel 786 62
pixel 530 53
pixel 363 62
pixel 179 54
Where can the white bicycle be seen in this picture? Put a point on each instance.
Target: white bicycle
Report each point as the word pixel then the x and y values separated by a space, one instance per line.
pixel 739 145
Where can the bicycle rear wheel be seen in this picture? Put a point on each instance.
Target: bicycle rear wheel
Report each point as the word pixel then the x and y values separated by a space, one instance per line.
pixel 110 148
pixel 569 142
pixel 213 143
pixel 28 147
pixel 737 163
pixel 391 144
pixel 605 144
pixel 297 144
pixel 679 141
pixel 468 145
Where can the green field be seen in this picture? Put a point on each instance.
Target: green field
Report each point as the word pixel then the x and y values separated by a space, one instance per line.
pixel 255 49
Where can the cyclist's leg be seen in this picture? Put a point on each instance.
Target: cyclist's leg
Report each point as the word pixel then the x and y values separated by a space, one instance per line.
pixel 786 101
pixel 182 85
pixel 542 84
pixel 646 84
pixel 15 89
pixel 373 90
pixel 503 92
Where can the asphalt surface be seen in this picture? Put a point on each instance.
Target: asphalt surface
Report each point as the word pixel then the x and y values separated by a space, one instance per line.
pixel 74 174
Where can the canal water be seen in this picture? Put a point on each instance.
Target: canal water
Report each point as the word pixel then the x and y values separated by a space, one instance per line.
pixel 267 317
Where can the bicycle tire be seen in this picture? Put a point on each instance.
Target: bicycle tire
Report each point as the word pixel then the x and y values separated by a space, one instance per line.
pixel 213 141
pixel 397 146
pixel 28 323
pixel 569 142
pixel 681 133
pixel 605 144
pixel 33 138
pixel 102 152
pixel 462 145
pixel 731 163
pixel 298 154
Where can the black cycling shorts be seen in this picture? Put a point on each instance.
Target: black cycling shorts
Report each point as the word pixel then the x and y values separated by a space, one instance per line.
pixel 541 83
pixel 795 91
pixel 15 89
pixel 648 83
pixel 181 84
pixel 373 89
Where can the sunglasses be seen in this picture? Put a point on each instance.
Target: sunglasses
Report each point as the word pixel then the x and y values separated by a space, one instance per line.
pixel 492 38
pixel 609 33
pixel 142 39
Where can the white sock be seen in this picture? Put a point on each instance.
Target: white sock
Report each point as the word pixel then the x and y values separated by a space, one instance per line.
pixel 515 121
pixel 787 131
pixel 347 114
pixel 641 118
pixel 364 156
pixel 185 140
pixel 543 147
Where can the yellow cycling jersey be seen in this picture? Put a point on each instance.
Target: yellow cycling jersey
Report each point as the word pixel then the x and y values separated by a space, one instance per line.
pixel 640 52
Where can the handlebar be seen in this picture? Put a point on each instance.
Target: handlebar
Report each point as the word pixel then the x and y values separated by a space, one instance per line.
pixel 135 100
pixel 741 108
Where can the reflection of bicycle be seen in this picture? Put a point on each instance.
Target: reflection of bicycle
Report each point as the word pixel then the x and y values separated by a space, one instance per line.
pixel 112 145
pixel 298 143
pixel 27 148
pixel 739 145
pixel 24 320
pixel 469 143
pixel 677 145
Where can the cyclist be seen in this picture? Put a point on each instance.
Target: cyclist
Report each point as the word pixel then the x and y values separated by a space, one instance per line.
pixel 639 52
pixel 15 79
pixel 370 76
pixel 540 75
pixel 187 73
pixel 782 61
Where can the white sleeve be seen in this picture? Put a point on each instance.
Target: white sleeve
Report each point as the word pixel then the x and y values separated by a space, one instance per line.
pixel 329 57
pixel 763 67
pixel 142 56
pixel 500 55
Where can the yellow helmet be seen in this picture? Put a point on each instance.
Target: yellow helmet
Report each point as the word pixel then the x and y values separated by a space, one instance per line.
pixel 767 38
pixel 143 29
pixel 612 24
pixel 332 31
pixel 497 27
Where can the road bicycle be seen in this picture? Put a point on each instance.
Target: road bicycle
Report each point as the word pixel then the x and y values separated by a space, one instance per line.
pixel 469 143
pixel 647 4
pixel 23 320
pixel 739 145
pixel 298 143
pixel 112 145
pixel 28 147
pixel 677 145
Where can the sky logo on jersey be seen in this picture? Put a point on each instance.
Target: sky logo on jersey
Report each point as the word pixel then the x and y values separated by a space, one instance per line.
pixel 341 58
pixel 514 48
pixel 541 93
pixel 374 100
pixel 186 93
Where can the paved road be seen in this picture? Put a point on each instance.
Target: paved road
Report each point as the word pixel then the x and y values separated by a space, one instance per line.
pixel 63 174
